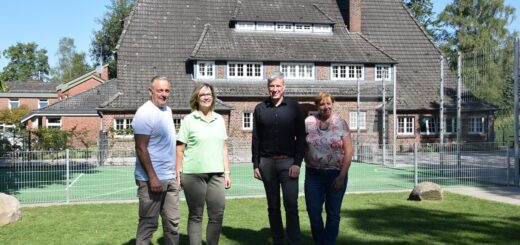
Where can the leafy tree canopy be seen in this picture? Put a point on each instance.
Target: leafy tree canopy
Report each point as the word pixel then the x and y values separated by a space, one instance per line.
pixel 26 61
pixel 105 40
pixel 71 64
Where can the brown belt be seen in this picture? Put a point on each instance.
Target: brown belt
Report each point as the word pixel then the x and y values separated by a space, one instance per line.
pixel 279 157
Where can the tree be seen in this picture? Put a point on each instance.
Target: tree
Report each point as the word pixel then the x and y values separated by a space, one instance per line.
pixel 13 117
pixel 422 11
pixel 26 61
pixel 476 24
pixel 70 63
pixel 105 40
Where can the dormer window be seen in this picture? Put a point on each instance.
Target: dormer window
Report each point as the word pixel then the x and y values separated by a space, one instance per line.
pixel 244 70
pixel 205 69
pixel 322 28
pixel 303 27
pixel 245 25
pixel 383 72
pixel 265 26
pixel 283 27
pixel 347 72
pixel 297 70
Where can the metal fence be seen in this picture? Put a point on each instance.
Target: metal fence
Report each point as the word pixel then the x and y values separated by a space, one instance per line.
pixel 93 175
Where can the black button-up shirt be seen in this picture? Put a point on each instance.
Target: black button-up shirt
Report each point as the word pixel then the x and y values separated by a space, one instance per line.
pixel 278 131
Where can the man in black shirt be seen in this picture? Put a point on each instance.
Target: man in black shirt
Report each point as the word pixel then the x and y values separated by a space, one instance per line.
pixel 278 149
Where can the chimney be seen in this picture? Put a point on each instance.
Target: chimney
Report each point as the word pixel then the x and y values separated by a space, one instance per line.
pixel 104 73
pixel 354 15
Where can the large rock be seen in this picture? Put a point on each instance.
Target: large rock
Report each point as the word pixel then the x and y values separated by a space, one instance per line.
pixel 427 191
pixel 10 210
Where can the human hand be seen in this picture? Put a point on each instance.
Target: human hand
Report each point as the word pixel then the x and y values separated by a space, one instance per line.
pixel 339 182
pixel 227 181
pixel 179 182
pixel 257 174
pixel 294 171
pixel 155 185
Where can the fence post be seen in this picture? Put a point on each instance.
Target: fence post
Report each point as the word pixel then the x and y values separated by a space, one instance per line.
pixel 508 161
pixel 415 167
pixel 68 174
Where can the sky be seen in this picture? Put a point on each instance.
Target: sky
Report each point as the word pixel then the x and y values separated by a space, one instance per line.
pixel 45 22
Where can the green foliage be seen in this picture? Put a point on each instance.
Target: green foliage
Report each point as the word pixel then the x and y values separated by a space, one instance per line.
pixel 26 61
pixel 70 63
pixel 13 116
pixel 105 40
pixel 422 11
pixel 476 24
pixel 50 138
pixel 125 131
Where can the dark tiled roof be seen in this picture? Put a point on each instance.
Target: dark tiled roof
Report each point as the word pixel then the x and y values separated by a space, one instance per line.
pixel 31 86
pixel 301 11
pixel 388 24
pixel 81 104
pixel 219 44
pixel 162 35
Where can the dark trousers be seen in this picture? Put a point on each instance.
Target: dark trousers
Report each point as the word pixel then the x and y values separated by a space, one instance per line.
pixel 153 204
pixel 275 173
pixel 319 190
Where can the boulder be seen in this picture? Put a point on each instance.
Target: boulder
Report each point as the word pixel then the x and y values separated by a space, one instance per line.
pixel 10 210
pixel 427 191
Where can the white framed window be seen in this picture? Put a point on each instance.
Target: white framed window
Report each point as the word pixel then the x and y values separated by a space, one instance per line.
pixel 353 116
pixel 450 125
pixel 322 28
pixel 265 26
pixel 244 70
pixel 405 125
pixel 302 27
pixel 247 121
pixel 43 103
pixel 284 27
pixel 245 25
pixel 430 125
pixel 347 72
pixel 297 70
pixel 14 103
pixel 476 125
pixel 35 122
pixel 53 122
pixel 383 72
pixel 205 69
pixel 123 127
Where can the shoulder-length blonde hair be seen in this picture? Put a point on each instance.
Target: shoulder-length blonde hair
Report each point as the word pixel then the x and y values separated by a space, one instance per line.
pixel 194 99
pixel 320 96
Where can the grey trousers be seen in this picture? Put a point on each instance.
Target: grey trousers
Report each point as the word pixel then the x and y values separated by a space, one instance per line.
pixel 153 204
pixel 201 189
pixel 275 174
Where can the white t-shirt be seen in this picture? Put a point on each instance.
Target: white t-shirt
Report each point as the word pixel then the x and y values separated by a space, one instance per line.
pixel 158 124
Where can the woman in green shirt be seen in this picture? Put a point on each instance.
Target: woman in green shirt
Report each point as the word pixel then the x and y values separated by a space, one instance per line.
pixel 203 164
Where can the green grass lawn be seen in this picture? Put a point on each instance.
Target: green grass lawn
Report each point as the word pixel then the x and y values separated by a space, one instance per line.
pixel 382 218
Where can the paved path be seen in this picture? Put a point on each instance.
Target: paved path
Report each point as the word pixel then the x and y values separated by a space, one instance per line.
pixel 506 194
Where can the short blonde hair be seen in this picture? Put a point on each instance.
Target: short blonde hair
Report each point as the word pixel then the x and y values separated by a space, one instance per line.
pixel 194 99
pixel 320 96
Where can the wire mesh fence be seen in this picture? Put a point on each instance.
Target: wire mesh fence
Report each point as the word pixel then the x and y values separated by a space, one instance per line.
pixel 94 175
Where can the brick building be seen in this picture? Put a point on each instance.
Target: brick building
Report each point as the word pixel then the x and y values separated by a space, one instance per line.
pixel 335 46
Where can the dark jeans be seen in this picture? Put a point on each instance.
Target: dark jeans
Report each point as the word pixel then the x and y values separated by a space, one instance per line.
pixel 275 173
pixel 319 189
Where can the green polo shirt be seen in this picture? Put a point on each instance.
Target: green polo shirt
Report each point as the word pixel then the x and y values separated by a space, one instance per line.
pixel 204 151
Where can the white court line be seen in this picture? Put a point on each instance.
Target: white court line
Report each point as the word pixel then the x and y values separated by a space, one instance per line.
pixel 74 181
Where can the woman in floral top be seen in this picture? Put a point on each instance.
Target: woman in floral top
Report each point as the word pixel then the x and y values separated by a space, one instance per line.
pixel 327 159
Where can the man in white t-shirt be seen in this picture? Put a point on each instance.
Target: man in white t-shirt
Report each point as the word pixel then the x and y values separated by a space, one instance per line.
pixel 154 135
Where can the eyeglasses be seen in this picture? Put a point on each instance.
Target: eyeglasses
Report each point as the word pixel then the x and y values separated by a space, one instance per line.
pixel 205 95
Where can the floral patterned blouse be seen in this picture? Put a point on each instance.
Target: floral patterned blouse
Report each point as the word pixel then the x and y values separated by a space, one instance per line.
pixel 324 142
